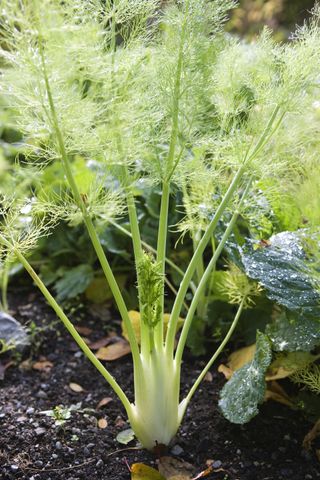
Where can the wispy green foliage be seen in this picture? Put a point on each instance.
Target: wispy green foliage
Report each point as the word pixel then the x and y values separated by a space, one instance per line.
pixel 123 92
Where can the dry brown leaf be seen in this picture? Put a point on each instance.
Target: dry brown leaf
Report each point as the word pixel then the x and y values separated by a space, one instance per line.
pixel 104 402
pixel 278 394
pixel 114 351
pixel 207 472
pixel 119 423
pixel 42 365
pixel 102 423
pixel 208 377
pixel 311 436
pixel 227 372
pixel 75 387
pixel 3 368
pixel 174 469
pixel 83 330
pixel 139 471
pixel 102 342
pixel 239 358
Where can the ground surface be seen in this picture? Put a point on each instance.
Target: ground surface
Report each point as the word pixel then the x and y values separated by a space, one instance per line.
pixel 31 447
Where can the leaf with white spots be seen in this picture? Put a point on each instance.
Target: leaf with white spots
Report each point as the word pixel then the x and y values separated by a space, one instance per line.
pixel 288 270
pixel 290 332
pixel 240 397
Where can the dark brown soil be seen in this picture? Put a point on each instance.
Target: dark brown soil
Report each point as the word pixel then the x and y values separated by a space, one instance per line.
pixel 33 448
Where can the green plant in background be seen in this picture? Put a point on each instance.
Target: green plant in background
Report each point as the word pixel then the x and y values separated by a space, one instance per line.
pixel 141 94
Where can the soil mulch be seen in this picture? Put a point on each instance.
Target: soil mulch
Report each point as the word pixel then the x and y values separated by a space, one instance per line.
pixel 33 448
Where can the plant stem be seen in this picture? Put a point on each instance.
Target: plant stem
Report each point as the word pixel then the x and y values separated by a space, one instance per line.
pixel 201 288
pixel 206 277
pixel 195 259
pixel 199 272
pixel 153 250
pixel 216 354
pixel 4 286
pixel 87 220
pixel 164 210
pixel 69 326
pixel 248 157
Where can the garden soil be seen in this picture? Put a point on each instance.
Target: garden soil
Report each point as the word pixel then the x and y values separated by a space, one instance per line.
pixel 55 373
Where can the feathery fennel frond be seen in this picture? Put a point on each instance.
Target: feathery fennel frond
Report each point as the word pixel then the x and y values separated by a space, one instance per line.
pixel 237 287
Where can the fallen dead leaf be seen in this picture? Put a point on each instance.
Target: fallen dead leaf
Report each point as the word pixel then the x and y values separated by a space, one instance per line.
pixel 119 423
pixel 139 471
pixel 114 351
pixel 3 368
pixel 227 372
pixel 207 472
pixel 208 377
pixel 104 402
pixel 239 358
pixel 102 342
pixel 42 366
pixel 75 387
pixel 102 423
pixel 83 330
pixel 174 469
pixel 311 436
pixel 278 394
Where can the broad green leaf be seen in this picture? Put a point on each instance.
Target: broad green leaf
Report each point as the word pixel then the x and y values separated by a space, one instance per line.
pixel 74 282
pixel 240 397
pixel 293 332
pixel 287 272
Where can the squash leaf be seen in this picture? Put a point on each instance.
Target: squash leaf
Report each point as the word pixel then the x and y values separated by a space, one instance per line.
pixel 287 269
pixel 240 397
pixel 293 332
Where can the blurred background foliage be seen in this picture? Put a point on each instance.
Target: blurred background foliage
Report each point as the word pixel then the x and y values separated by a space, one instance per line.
pixel 280 15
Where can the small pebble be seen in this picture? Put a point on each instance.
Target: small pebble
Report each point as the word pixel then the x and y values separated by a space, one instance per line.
pixel 38 464
pixel 58 445
pixel 286 472
pixel 41 394
pixel 256 464
pixel 54 456
pixel 282 449
pixel 40 431
pixel 30 411
pixel 90 445
pixel 217 464
pixel 78 354
pixel 14 468
pixel 176 450
pixel 86 452
pixel 308 477
pixel 238 452
pixel 99 463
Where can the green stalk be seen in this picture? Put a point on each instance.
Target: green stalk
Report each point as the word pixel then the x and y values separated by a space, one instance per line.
pixel 4 287
pixel 205 279
pixel 267 133
pixel 164 210
pixel 197 255
pixel 87 220
pixel 153 250
pixel 199 273
pixel 69 326
pixel 201 288
pixel 196 384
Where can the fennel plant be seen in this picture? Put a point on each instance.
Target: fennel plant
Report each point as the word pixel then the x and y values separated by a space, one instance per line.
pixel 157 94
